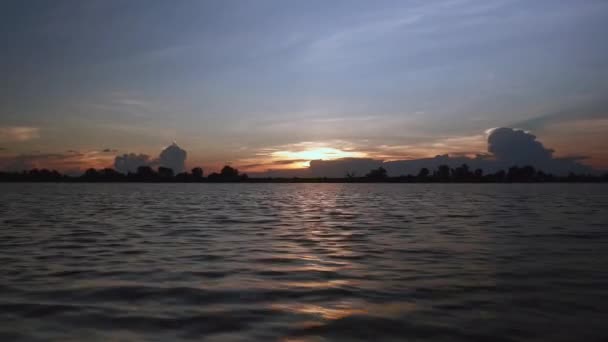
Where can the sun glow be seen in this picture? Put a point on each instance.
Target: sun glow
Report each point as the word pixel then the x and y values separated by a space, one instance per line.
pixel 303 158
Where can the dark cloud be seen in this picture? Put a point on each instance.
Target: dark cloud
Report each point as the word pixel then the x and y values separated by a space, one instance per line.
pixel 109 150
pixel 274 163
pixel 173 157
pixel 2 149
pixel 249 166
pixel 130 162
pixel 517 147
pixel 289 161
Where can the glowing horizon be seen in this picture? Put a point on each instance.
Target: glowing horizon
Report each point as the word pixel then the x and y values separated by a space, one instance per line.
pixel 386 80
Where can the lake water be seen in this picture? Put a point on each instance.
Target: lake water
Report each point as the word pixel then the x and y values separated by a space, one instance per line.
pixel 304 262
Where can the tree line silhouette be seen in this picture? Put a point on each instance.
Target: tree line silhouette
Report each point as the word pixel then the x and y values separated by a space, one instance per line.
pixel 464 174
pixel 443 174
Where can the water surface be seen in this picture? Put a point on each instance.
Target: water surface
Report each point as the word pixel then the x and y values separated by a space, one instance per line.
pixel 304 262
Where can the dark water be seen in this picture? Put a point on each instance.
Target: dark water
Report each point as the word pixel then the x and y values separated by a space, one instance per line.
pixel 303 262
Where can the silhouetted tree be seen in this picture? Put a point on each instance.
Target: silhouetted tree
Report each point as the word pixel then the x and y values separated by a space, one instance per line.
pixel 109 173
pixel 104 175
pixel 424 173
pixel 165 172
pixel 478 174
pixel 521 174
pixel 146 174
pixel 443 173
pixel 42 175
pixel 500 176
pixel 379 173
pixel 461 173
pixel 91 174
pixel 229 172
pixel 197 173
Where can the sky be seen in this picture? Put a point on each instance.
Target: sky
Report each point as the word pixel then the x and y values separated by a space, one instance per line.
pixel 274 84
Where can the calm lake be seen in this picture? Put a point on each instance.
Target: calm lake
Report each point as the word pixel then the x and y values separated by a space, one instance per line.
pixel 304 262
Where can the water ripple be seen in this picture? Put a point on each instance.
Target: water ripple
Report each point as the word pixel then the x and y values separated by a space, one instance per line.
pixel 303 262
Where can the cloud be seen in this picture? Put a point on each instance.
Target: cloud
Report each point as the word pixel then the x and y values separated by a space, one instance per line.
pixel 72 161
pixel 75 162
pixel 274 163
pixel 288 162
pixel 173 157
pixel 122 106
pixel 517 147
pixel 594 111
pixel 130 162
pixel 109 150
pixel 18 133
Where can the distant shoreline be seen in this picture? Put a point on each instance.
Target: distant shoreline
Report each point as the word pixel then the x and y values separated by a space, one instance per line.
pixel 443 174
pixel 395 180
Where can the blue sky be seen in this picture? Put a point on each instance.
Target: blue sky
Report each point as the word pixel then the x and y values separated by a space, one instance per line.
pixel 236 81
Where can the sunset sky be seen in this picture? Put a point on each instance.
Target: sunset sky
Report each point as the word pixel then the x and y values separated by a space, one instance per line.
pixel 275 84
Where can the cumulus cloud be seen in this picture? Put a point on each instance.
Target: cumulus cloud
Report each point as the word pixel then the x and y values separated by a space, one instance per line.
pixel 131 161
pixel 174 158
pixel 18 133
pixel 517 146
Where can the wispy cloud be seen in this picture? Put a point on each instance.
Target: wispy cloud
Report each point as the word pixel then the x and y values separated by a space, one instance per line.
pixel 398 26
pixel 18 133
pixel 364 32
pixel 72 161
pixel 590 112
pixel 124 106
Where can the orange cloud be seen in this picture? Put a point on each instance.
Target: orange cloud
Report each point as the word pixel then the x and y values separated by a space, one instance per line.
pixel 71 161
